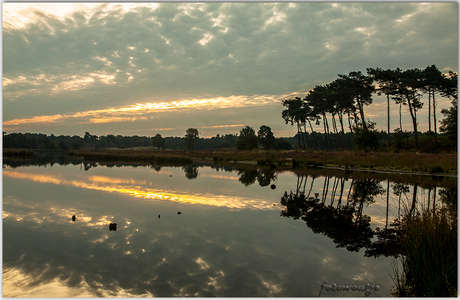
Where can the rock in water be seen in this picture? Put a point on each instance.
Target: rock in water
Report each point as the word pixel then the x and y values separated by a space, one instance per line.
pixel 113 226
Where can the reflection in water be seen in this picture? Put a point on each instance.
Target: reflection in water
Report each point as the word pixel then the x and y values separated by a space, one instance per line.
pixel 191 172
pixel 249 177
pixel 134 188
pixel 229 240
pixel 344 224
pixel 424 239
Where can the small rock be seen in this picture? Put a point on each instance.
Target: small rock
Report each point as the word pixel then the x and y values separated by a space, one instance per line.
pixel 113 226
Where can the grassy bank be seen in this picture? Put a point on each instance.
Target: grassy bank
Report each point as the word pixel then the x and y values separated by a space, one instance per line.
pixel 372 161
pixel 23 153
pixel 407 161
pixel 136 156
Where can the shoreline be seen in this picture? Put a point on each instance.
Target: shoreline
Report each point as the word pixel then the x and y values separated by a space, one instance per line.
pixel 404 163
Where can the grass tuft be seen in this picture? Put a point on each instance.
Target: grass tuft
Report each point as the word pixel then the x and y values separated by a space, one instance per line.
pixel 429 261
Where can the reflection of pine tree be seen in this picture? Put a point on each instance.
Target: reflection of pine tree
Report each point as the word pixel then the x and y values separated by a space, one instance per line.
pixel 399 189
pixel 364 190
pixel 344 224
pixel 264 178
pixel 248 177
pixel 448 196
pixel 387 243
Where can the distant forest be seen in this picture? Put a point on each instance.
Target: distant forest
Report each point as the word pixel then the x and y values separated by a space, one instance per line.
pixel 89 141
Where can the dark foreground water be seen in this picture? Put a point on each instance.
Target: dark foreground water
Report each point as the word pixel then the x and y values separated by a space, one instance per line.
pixel 193 231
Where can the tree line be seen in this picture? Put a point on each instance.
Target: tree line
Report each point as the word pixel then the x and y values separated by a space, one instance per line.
pixel 191 141
pixel 344 100
pixel 248 138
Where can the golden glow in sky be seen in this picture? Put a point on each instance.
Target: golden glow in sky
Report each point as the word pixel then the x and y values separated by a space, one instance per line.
pixel 139 110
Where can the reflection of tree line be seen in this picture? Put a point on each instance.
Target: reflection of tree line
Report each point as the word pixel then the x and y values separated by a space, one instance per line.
pixel 247 176
pixel 423 237
pixel 340 217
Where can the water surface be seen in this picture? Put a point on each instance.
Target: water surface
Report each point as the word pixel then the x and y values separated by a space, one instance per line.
pixel 192 231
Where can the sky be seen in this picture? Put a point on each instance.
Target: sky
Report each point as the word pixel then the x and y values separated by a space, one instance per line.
pixel 148 68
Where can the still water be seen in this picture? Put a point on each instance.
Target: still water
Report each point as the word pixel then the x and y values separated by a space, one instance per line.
pixel 192 231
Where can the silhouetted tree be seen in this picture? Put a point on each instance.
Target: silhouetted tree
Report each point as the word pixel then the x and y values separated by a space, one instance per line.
pixel 295 113
pixel 366 139
pixel 247 140
pixel 191 136
pixel 408 90
pixel 158 142
pixel 360 87
pixel 266 137
pixel 386 80
pixel 449 123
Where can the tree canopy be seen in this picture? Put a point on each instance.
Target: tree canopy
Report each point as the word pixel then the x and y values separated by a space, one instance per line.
pixel 349 94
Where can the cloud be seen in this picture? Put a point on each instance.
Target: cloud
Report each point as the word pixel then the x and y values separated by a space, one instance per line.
pixel 110 55
pixel 138 110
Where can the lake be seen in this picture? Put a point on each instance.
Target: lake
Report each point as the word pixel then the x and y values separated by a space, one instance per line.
pixel 198 230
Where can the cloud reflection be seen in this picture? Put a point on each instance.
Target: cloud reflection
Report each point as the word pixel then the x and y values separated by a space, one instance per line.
pixel 215 253
pixel 134 189
pixel 16 283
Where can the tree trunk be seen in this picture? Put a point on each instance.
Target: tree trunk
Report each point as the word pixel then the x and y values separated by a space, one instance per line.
pixel 349 123
pixel 434 122
pixel 326 130
pixel 313 134
pixel 400 117
pixel 334 127
pixel 413 115
pixel 388 112
pixel 298 133
pixel 306 136
pixel 343 133
pixel 429 116
pixel 361 112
